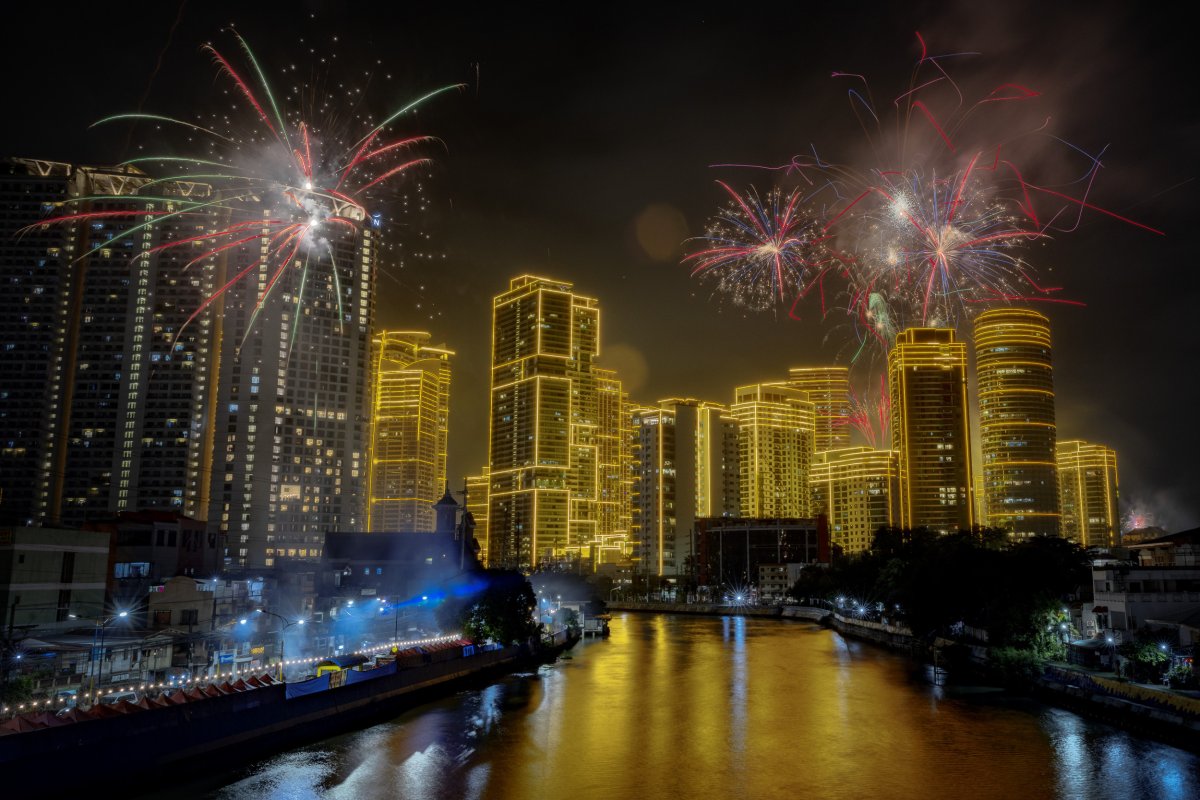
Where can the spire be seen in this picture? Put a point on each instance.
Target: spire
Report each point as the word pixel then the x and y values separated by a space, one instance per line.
pixel 446 512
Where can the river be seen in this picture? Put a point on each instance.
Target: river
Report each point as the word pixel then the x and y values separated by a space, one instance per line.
pixel 690 707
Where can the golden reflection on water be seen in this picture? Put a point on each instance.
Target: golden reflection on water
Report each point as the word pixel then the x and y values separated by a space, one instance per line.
pixel 682 707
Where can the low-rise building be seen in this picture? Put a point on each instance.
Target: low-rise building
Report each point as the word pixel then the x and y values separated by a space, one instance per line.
pixel 731 550
pixel 1127 596
pixel 48 574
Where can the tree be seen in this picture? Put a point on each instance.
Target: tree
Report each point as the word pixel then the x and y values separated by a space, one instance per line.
pixel 501 611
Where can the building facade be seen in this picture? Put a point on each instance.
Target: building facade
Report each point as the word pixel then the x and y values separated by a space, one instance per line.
pixel 49 574
pixel 293 421
pixel 1087 478
pixel 858 490
pixel 927 380
pixel 107 397
pixel 477 506
pixel 614 475
pixel 776 426
pixel 410 412
pixel 731 551
pixel 1017 434
pixel 557 432
pixel 685 467
pixel 828 389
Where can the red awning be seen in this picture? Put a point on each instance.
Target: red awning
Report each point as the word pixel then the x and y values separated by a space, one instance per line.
pixel 1100 609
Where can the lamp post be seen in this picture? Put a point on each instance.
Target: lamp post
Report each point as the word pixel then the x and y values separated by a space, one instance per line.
pixel 282 638
pixel 102 626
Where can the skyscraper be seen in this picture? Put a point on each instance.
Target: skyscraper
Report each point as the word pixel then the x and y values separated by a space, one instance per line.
pixel 1015 381
pixel 614 476
pixel 552 412
pixel 776 427
pixel 1087 476
pixel 106 402
pixel 409 424
pixel 829 390
pixel 685 467
pixel 477 504
pixel 294 413
pixel 857 488
pixel 927 379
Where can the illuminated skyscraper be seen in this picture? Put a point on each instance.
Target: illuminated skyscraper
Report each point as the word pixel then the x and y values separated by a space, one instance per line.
pixel 477 504
pixel 295 395
pixel 927 379
pixel 685 467
pixel 858 489
pixel 829 390
pixel 104 408
pixel 554 417
pixel 1087 477
pixel 409 423
pixel 776 427
pixel 1015 381
pixel 614 443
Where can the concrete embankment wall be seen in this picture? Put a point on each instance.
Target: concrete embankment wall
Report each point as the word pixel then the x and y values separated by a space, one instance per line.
pixel 897 637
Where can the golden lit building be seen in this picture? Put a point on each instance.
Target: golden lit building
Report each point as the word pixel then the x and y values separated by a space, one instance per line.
pixel 614 477
pixel 1087 477
pixel 829 390
pixel 685 467
pixel 556 432
pixel 776 427
pixel 1017 434
pixel 477 505
pixel 857 489
pixel 410 408
pixel 927 380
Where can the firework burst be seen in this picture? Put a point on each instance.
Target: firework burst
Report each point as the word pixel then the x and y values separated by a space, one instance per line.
pixel 929 248
pixel 761 251
pixel 273 183
pixel 934 224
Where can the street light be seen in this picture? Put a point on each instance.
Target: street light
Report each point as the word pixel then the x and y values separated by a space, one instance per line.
pixel 102 625
pixel 282 637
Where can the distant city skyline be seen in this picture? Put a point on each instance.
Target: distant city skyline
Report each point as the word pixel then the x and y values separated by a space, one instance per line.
pixel 598 176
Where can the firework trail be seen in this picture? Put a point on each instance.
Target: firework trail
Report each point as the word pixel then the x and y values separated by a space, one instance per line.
pixel 871 415
pixel 280 186
pixel 761 251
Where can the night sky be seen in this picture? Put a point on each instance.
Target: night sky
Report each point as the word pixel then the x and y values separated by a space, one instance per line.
pixel 574 129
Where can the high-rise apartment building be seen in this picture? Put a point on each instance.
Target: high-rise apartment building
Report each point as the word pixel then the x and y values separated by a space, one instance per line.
pixel 105 399
pixel 858 490
pixel 1015 382
pixel 927 379
pixel 828 389
pixel 1087 477
pixel 477 505
pixel 295 393
pixel 614 475
pixel 555 422
pixel 410 410
pixel 776 428
pixel 685 467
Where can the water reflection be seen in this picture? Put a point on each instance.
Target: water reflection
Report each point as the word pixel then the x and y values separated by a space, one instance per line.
pixel 707 707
